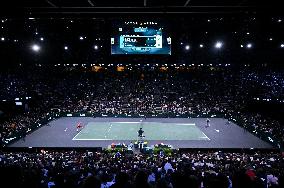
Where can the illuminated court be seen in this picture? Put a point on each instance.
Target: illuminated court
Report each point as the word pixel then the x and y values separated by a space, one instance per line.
pixel 128 131
pixel 179 132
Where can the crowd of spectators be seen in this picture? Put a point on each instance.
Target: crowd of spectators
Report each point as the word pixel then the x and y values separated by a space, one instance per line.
pixel 191 90
pixel 143 90
pixel 198 169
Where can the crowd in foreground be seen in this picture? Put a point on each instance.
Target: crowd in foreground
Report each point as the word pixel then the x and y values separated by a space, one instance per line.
pixel 190 91
pixel 86 169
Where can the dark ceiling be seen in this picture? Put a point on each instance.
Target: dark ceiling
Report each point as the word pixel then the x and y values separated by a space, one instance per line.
pixel 34 7
pixel 132 3
pixel 139 3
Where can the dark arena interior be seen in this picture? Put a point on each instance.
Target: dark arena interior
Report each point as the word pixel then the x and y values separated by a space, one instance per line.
pixel 142 94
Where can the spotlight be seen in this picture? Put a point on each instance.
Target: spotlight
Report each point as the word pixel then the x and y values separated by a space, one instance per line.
pixel 2 38
pixel 65 47
pixel 35 47
pixel 201 45
pixel 96 47
pixel 218 45
pixel 249 45
pixel 81 38
pixel 282 45
pixel 41 38
pixel 187 47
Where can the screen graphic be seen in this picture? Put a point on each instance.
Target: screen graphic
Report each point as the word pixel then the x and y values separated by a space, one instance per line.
pixel 140 38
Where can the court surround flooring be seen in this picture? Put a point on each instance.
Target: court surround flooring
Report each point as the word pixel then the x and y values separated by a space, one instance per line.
pixel 178 132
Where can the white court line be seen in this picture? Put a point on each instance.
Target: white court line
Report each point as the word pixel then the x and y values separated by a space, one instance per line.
pixel 79 132
pixel 91 139
pixel 205 136
pixel 108 130
pixel 109 127
pixel 125 122
pixel 184 123
pixel 76 135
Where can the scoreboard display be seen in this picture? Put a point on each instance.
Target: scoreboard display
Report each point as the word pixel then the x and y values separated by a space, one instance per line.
pixel 140 38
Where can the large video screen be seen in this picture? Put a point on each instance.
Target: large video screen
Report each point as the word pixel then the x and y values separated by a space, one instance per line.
pixel 136 37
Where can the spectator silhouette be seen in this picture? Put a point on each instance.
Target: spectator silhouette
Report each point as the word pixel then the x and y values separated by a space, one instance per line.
pixel 91 182
pixel 121 181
